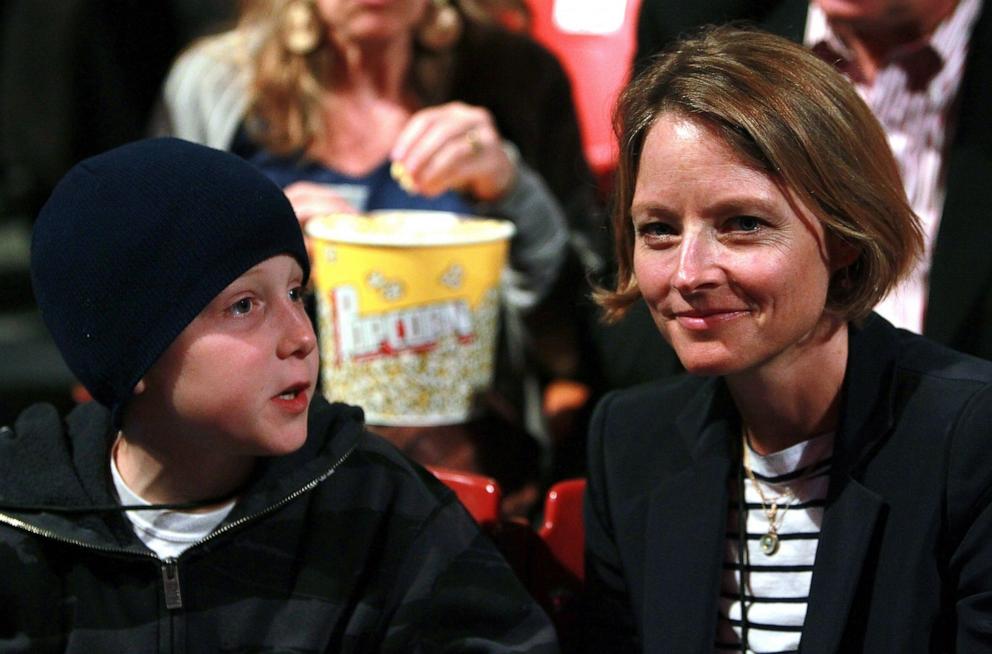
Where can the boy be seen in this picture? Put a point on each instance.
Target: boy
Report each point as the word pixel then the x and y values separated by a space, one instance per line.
pixel 170 276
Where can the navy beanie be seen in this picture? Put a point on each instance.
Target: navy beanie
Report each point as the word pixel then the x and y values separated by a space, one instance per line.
pixel 135 242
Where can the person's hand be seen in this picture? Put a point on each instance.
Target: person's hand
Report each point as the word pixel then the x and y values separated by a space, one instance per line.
pixel 452 146
pixel 310 199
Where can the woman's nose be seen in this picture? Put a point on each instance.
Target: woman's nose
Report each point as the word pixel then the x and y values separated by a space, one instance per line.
pixel 297 337
pixel 697 264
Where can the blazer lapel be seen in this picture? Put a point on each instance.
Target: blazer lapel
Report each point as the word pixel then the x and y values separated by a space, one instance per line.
pixel 683 563
pixel 845 538
pixel 852 511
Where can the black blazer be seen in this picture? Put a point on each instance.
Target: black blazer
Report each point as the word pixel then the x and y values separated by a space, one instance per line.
pixel 904 562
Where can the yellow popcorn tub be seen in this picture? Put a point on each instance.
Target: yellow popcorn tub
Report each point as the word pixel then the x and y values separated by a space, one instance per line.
pixel 407 311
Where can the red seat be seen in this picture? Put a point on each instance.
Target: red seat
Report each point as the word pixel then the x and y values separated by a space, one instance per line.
pixel 481 495
pixel 595 41
pixel 556 571
pixel 563 530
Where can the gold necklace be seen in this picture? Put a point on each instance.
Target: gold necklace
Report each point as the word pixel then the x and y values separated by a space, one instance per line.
pixel 769 542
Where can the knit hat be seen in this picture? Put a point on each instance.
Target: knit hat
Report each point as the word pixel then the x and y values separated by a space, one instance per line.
pixel 135 242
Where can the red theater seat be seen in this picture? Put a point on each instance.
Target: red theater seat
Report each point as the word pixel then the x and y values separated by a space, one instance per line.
pixel 595 41
pixel 481 495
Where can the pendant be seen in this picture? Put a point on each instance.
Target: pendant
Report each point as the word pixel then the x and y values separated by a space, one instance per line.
pixel 769 543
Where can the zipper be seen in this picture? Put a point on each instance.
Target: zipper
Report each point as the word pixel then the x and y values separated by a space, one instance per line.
pixel 281 503
pixel 170 566
pixel 170 582
pixel 170 599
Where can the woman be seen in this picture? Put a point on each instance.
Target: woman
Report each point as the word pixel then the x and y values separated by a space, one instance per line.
pixel 410 104
pixel 761 217
pixel 415 104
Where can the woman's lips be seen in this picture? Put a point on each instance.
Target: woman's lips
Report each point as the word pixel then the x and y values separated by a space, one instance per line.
pixel 703 320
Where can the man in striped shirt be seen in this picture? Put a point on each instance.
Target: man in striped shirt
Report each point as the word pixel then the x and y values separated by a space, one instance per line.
pixel 907 59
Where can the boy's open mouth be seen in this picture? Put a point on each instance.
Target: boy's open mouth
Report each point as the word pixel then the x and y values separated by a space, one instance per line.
pixel 293 391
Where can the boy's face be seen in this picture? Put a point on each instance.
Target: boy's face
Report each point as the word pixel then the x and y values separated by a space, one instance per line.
pixel 239 379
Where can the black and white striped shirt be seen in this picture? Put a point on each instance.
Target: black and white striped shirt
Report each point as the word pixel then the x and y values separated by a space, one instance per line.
pixel 776 585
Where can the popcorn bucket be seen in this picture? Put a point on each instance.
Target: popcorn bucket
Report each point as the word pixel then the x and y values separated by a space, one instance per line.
pixel 407 311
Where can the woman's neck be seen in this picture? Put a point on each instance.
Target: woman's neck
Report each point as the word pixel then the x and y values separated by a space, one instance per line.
pixel 796 396
pixel 175 475
pixel 378 70
pixel 365 108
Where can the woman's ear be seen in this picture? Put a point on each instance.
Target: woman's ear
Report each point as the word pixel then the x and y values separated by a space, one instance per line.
pixel 140 387
pixel 842 253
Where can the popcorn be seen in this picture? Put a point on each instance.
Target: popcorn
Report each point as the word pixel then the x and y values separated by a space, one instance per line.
pixel 408 312
pixel 402 176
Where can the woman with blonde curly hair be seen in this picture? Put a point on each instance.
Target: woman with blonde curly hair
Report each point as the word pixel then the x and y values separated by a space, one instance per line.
pixel 820 481
pixel 404 104
pixel 393 104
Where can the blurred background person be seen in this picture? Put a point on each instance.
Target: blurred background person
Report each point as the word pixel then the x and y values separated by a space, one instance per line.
pixel 409 104
pixel 925 69
pixel 775 498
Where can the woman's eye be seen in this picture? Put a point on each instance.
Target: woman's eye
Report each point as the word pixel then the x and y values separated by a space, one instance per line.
pixel 296 294
pixel 746 223
pixel 655 229
pixel 242 306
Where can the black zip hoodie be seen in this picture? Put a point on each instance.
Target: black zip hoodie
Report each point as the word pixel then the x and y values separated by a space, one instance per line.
pixel 341 546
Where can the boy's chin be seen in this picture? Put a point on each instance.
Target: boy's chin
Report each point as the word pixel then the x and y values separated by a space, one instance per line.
pixel 287 438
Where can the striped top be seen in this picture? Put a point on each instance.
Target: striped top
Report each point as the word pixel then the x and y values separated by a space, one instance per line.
pixel 776 585
pixel 913 96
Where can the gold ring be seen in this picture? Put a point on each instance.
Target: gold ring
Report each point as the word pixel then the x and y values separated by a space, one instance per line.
pixel 472 136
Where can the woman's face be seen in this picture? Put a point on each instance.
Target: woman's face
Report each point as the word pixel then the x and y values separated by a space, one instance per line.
pixel 734 272
pixel 371 21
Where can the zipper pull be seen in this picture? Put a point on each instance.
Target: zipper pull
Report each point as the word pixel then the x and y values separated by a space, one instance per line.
pixel 170 579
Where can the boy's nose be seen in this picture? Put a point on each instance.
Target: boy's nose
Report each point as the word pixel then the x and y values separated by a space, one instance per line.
pixel 298 338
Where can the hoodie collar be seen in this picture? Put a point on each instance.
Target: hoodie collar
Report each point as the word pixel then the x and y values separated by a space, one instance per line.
pixel 45 461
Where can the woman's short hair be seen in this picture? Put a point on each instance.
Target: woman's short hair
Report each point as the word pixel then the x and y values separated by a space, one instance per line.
pixel 792 115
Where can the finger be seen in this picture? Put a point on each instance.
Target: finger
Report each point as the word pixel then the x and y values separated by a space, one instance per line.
pixel 433 129
pixel 315 200
pixel 475 163
pixel 452 166
pixel 442 134
pixel 419 123
pixel 303 189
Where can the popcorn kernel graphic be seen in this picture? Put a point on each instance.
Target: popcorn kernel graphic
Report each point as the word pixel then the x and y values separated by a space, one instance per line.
pixel 391 290
pixel 453 276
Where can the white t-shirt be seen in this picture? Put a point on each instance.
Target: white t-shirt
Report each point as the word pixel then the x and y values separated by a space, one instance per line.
pixel 165 532
pixel 777 584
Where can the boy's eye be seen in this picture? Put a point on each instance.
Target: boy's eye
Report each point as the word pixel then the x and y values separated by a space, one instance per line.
pixel 296 294
pixel 241 307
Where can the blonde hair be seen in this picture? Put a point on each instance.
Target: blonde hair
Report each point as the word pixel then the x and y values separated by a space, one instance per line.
pixel 285 106
pixel 784 110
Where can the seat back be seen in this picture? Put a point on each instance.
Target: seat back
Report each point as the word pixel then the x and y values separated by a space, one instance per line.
pixel 479 494
pixel 556 572
pixel 595 41
pixel 563 530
